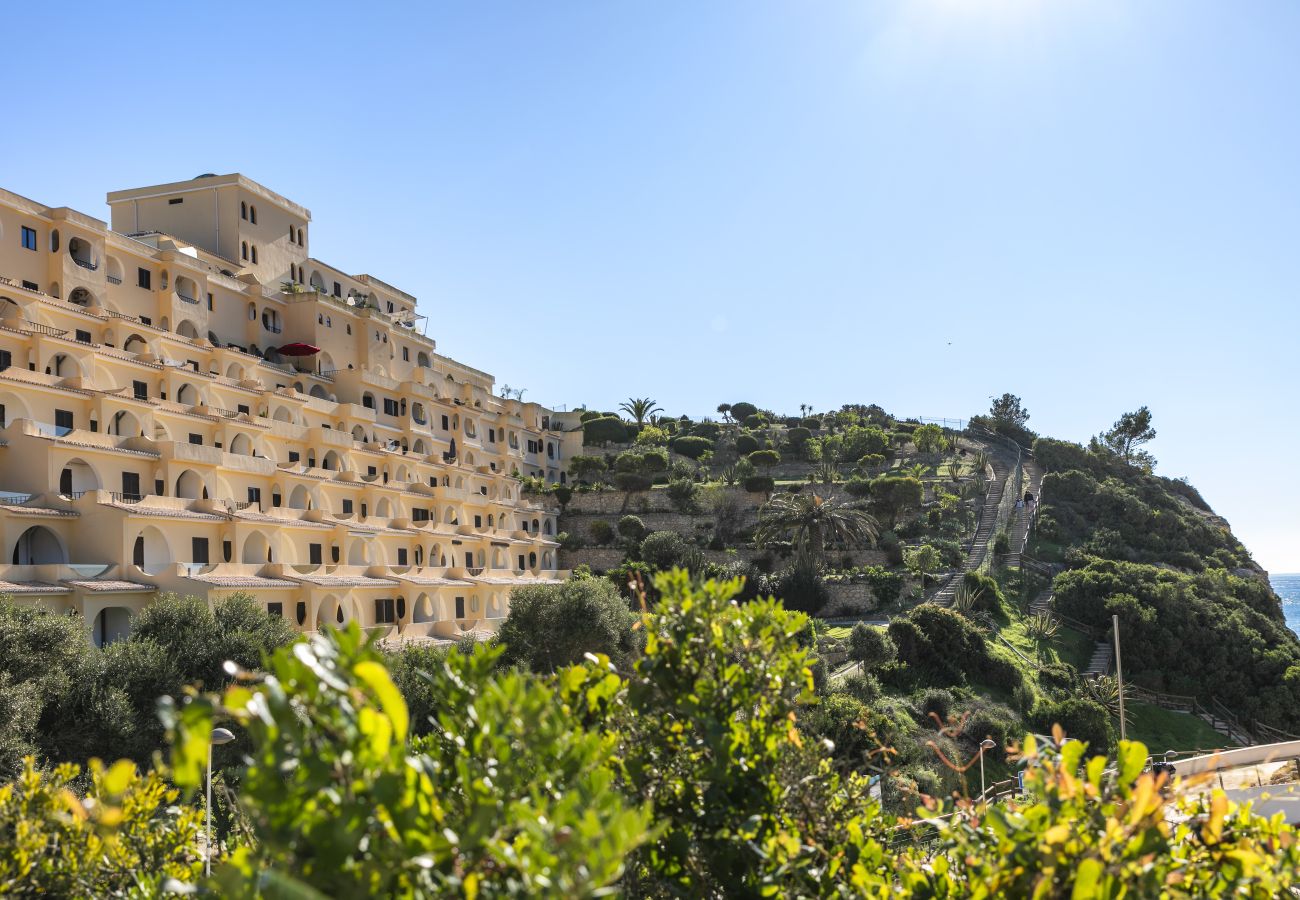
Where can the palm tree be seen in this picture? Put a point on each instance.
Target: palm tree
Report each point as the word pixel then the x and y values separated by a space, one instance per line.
pixel 640 409
pixel 724 410
pixel 810 522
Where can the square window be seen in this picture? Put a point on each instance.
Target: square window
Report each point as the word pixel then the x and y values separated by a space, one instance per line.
pixel 401 556
pixel 29 238
pixel 144 278
pixel 141 390
pixel 196 438
pixel 314 554
pixel 255 495
pixel 199 550
pixel 347 507
pixel 275 610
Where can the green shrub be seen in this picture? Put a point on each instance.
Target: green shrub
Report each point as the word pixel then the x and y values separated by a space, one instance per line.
pixel 632 481
pixel 707 430
pixel 937 702
pixel 742 411
pixel 604 430
pixel 663 549
pixel 746 444
pixel 588 415
pixel 896 493
pixel 691 447
pixel 600 531
pixel 682 492
pixel 754 421
pixel 760 484
pixel 631 527
pixel 797 437
pixel 1084 720
pixel 555 625
pixel 870 461
pixel 858 486
pixel 812 423
pixel 765 458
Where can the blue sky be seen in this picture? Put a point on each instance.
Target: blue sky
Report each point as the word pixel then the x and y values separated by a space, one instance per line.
pixel 1090 203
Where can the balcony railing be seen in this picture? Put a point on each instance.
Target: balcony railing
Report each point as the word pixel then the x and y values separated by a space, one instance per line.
pixel 186 299
pixel 32 327
pixel 113 279
pixel 120 497
pixel 85 263
pixel 274 329
pixel 72 495
pixel 474 571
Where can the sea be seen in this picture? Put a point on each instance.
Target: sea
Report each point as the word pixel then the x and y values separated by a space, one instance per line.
pixel 1288 588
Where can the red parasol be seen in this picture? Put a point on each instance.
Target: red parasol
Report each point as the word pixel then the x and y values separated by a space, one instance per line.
pixel 298 349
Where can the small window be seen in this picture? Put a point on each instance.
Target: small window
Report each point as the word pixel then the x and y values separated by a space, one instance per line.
pixel 175 201
pixel 252 217
pixel 300 238
pixel 349 332
pixel 29 238
pixel 384 610
pixel 63 421
pixel 254 251
pixel 460 607
pixel 338 289
pixel 196 439
pixel 199 550
pixel 347 507
pixel 242 408
pixel 254 495
pixel 275 610
pixel 314 555
pixel 401 556
pixel 243 210
pixel 210 301
pixel 390 307
pixel 83 337
pixel 243 250
pixel 144 278
pixel 31 285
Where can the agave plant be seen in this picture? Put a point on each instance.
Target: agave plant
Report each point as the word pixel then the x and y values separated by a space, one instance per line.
pixel 965 599
pixel 954 470
pixel 981 461
pixel 825 472
pixel 917 471
pixel 1105 690
pixel 1041 628
pixel 729 475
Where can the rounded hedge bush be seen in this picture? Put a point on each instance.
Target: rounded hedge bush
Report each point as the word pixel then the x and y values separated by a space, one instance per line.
pixel 746 444
pixel 604 430
pixel 812 423
pixel 754 421
pixel 632 481
pixel 760 484
pixel 742 411
pixel 692 447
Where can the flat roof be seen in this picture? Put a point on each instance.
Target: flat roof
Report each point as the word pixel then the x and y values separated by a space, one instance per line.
pixel 207 182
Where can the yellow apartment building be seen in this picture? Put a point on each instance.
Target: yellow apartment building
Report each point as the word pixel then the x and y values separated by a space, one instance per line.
pixel 191 403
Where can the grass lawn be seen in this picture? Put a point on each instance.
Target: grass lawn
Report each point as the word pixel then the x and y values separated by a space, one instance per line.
pixel 1069 646
pixel 1163 729
pixel 839 632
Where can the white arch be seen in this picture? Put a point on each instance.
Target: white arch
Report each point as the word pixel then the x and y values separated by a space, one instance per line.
pixel 256 549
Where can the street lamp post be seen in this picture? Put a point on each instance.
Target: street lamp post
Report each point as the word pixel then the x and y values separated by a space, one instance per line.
pixel 219 736
pixel 986 744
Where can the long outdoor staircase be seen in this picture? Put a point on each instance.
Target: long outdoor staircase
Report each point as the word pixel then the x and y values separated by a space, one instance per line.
pixel 1023 516
pixel 979 545
pixel 1102 655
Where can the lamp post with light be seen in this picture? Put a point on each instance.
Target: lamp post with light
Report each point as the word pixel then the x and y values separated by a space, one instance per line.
pixel 219 736
pixel 986 744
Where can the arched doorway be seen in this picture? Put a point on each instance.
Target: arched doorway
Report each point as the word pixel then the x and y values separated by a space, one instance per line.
pixel 257 549
pixel 149 551
pixel 38 546
pixel 111 625
pixel 190 486
pixel 77 477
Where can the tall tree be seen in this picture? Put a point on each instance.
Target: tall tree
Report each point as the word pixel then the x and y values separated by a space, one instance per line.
pixel 724 409
pixel 1007 411
pixel 1128 434
pixel 811 522
pixel 640 409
